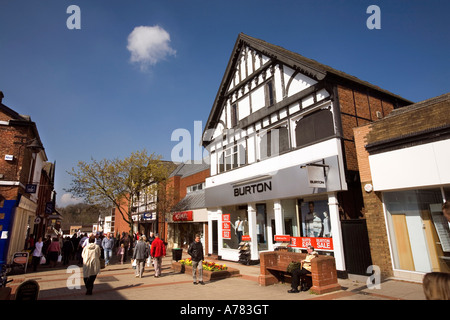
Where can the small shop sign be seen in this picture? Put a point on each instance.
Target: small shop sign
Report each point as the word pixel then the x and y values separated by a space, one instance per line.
pixel 183 216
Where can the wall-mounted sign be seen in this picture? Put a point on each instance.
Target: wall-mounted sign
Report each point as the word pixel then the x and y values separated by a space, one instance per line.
pixel 316 177
pixel 246 238
pixel 30 188
pixel 49 208
pixel 148 216
pixel 183 216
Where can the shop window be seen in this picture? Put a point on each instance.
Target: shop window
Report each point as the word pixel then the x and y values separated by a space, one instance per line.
pixel 314 127
pixel 235 226
pixel 419 233
pixel 261 230
pixel 274 142
pixel 315 219
pixel 290 218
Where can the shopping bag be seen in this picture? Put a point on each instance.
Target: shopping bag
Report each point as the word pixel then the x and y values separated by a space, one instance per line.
pixel 59 258
pixel 43 260
pixel 133 264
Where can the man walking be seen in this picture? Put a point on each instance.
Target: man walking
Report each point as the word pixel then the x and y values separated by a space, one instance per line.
pixel 196 252
pixel 107 245
pixel 158 252
pixel 140 254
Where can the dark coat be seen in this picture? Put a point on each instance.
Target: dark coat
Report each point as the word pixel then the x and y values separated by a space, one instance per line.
pixel 196 251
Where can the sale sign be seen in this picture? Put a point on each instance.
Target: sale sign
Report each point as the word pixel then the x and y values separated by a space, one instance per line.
pixel 317 243
pixel 226 226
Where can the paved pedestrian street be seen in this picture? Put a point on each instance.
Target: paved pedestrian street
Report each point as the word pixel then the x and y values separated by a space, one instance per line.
pixel 118 282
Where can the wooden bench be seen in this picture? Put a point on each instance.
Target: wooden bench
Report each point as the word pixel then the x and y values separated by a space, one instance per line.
pixel 273 266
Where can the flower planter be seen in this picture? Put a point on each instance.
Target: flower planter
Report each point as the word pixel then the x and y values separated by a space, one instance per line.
pixel 207 275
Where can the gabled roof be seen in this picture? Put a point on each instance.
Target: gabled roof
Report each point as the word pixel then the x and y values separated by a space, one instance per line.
pixel 309 67
pixel 22 120
pixel 188 169
pixel 193 200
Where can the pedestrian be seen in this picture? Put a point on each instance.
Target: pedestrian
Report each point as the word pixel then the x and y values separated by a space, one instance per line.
pixel 54 250
pixel 80 248
pixel 108 246
pixel 195 250
pixel 436 286
pixel 158 251
pixel 121 253
pixel 37 254
pixel 299 275
pixel 47 242
pixel 67 250
pixel 91 264
pixel 141 252
pixel 125 240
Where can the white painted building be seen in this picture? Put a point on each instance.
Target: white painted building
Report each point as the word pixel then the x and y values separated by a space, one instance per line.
pixel 277 143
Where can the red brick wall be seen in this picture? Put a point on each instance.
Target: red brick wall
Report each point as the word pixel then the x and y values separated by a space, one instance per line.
pixel 357 109
pixel 374 214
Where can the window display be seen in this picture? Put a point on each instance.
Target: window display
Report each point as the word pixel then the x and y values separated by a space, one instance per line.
pixel 234 226
pixel 315 219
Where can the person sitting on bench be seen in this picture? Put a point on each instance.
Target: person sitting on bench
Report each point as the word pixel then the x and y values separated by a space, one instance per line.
pixel 299 275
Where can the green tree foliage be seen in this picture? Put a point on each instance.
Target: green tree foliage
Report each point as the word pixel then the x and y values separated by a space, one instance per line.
pixel 119 182
pixel 82 214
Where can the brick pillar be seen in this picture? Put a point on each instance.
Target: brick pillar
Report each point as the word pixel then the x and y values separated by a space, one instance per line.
pixel 373 205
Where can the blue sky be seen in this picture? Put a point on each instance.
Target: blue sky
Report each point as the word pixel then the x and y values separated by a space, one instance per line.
pixel 89 99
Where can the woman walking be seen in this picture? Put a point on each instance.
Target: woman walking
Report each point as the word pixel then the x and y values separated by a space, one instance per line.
pixel 91 264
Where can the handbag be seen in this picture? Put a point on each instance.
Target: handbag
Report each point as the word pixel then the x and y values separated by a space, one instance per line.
pixel 293 266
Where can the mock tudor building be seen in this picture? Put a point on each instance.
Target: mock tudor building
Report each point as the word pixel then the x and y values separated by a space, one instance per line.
pixel 405 177
pixel 283 159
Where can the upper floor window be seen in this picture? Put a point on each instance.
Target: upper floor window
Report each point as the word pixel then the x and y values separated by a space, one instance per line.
pixel 232 157
pixel 273 142
pixel 195 187
pixel 269 93
pixel 313 127
pixel 234 115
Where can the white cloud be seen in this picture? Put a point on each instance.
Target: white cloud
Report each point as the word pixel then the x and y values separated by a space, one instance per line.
pixel 149 45
pixel 68 199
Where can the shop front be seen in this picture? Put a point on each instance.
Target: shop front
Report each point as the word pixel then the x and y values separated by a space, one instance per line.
pixel 293 206
pixel 184 225
pixel 406 179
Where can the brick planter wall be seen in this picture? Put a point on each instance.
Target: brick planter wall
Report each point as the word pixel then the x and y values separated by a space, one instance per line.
pixel 207 275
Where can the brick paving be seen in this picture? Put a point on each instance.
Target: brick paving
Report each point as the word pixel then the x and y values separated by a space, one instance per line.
pixel 118 282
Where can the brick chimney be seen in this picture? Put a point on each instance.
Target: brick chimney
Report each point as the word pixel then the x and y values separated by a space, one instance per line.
pixel 1 96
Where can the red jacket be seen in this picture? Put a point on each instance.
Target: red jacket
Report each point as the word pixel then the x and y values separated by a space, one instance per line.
pixel 158 248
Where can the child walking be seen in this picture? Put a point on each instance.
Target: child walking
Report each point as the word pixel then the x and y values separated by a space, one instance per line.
pixel 121 252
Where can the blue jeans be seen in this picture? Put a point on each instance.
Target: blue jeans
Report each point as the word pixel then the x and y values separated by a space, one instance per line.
pixel 108 254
